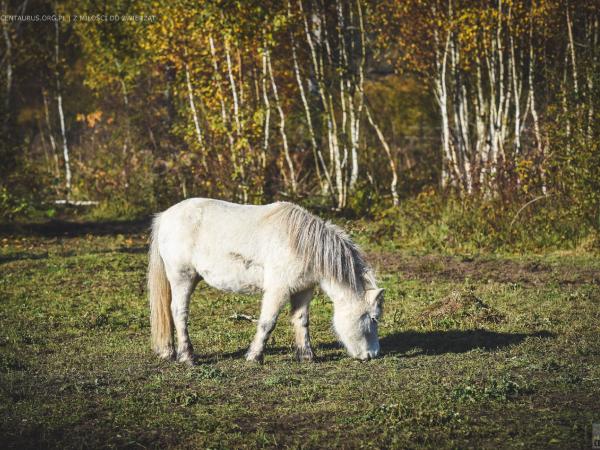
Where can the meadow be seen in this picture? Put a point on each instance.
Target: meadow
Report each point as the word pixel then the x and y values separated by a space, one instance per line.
pixel 457 142
pixel 479 350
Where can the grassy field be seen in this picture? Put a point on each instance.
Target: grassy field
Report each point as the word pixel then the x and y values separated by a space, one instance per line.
pixel 477 351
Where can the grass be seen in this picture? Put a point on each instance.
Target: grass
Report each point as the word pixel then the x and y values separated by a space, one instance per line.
pixel 477 351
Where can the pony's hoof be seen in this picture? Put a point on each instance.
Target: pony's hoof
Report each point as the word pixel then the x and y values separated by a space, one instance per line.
pixel 166 353
pixel 304 354
pixel 186 358
pixel 255 358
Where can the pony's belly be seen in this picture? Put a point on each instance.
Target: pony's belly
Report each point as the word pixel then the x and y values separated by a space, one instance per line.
pixel 236 278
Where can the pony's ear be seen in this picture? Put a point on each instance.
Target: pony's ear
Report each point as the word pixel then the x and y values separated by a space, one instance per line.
pixel 375 296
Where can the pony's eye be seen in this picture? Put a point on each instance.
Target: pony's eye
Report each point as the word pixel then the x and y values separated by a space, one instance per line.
pixel 375 319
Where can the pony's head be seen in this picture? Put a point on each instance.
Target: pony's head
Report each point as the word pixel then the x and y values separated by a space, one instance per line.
pixel 356 323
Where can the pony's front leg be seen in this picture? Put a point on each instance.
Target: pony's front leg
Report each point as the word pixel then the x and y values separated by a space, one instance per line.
pixel 182 286
pixel 271 305
pixel 299 317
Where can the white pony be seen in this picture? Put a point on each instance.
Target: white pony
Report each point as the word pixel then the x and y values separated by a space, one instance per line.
pixel 280 250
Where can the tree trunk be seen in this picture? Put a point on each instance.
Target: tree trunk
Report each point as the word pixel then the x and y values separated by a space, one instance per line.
pixel 8 58
pixel 318 60
pixel 448 163
pixel 194 114
pixel 317 155
pixel 61 114
pixel 267 106
pixel 355 132
pixel 284 140
pixel 534 113
pixel 234 94
pixel 388 152
pixel 51 135
pixel 225 118
pixel 572 50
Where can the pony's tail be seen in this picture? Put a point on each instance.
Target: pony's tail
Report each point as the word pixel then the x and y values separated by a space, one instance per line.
pixel 159 294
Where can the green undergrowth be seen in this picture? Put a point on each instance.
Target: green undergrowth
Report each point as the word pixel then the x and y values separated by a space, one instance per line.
pixel 435 223
pixel 428 222
pixel 480 351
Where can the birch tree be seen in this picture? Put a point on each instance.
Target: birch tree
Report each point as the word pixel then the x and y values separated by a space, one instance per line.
pixel 334 35
pixel 61 115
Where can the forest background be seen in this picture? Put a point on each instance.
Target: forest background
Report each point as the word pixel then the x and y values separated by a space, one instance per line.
pixel 455 124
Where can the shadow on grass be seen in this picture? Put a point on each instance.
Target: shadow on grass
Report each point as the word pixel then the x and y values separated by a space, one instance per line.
pixel 200 358
pixel 24 256
pixel 270 350
pixel 407 343
pixel 63 228
pixel 452 341
pixel 416 343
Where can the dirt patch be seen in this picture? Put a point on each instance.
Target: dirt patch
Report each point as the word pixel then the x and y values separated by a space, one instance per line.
pixel 463 306
pixel 283 424
pixel 436 267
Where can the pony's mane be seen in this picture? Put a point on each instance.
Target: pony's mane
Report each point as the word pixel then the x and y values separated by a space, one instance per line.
pixel 322 246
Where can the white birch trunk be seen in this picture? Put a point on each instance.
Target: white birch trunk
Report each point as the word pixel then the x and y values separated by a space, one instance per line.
pixel 267 106
pixel 215 65
pixel 61 114
pixel 224 116
pixel 355 136
pixel 51 135
pixel 192 102
pixel 572 50
pixel 317 155
pixel 441 95
pixel 517 98
pixel 193 106
pixel 234 94
pixel 481 147
pixel 534 114
pixel 388 152
pixel 8 58
pixel 328 111
pixel 591 72
pixel 284 140
pixel 332 128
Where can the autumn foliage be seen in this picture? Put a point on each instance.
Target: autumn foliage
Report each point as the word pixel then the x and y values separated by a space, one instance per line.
pixel 348 104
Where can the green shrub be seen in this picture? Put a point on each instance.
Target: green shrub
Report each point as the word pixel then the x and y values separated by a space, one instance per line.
pixel 443 223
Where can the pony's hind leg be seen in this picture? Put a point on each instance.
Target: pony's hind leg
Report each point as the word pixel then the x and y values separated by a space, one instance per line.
pixel 299 317
pixel 183 283
pixel 271 304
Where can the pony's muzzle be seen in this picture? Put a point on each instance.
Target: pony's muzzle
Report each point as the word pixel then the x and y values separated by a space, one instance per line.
pixel 368 355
